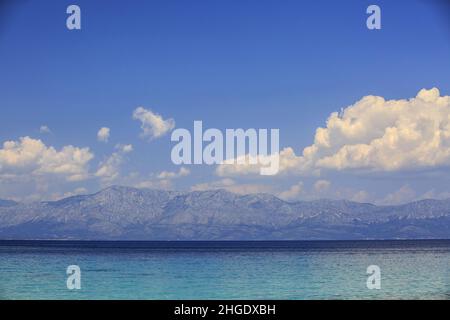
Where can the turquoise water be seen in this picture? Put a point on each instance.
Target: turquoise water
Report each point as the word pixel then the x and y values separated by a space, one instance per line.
pixel 238 270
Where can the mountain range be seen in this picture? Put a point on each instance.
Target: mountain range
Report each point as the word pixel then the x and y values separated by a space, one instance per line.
pixel 124 213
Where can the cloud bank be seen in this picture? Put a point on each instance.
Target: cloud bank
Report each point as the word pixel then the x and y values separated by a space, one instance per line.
pixel 374 134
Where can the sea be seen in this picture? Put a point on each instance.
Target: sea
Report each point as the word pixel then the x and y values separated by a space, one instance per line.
pixel 297 270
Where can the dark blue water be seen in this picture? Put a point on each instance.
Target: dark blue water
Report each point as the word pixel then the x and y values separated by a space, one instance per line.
pixel 225 270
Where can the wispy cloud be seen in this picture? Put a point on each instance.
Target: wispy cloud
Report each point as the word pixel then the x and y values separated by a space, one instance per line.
pixel 109 169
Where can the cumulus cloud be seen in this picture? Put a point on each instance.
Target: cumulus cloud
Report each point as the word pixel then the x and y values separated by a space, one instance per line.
pixel 382 135
pixel 152 124
pixel 374 134
pixel 32 157
pixel 103 134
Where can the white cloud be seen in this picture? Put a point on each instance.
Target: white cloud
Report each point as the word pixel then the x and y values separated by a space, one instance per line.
pixel 125 148
pixel 76 192
pixel 289 162
pixel 432 194
pixel 321 185
pixel 162 180
pixel 103 134
pixel 292 193
pixel 361 196
pixel 109 169
pixel 31 170
pixel 322 189
pixel 374 134
pixel 32 157
pixel 380 135
pixel 406 194
pixel 164 184
pixel 139 180
pixel 183 172
pixel 403 195
pixel 231 186
pixel 44 129
pixel 152 124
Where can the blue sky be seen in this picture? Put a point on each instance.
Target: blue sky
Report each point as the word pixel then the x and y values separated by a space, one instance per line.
pixel 231 64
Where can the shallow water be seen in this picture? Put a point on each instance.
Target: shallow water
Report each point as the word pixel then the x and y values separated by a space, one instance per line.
pixel 225 270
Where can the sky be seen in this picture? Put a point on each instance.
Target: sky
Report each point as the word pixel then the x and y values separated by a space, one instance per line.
pixel 363 114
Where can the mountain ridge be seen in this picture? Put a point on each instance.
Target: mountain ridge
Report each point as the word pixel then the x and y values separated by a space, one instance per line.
pixel 126 213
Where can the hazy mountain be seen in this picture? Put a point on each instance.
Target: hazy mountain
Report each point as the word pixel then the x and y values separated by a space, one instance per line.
pixel 143 214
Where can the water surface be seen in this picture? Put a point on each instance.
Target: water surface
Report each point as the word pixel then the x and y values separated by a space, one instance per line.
pixel 225 270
